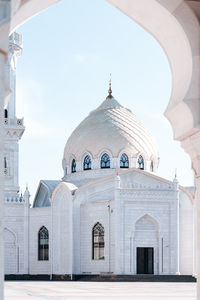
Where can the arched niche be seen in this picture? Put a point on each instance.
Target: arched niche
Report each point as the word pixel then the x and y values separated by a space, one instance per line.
pixel 146 228
pixel 10 252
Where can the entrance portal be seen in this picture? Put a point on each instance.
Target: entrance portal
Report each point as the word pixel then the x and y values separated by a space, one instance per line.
pixel 145 260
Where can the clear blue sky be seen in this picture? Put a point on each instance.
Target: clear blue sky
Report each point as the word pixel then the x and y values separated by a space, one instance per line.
pixel 69 52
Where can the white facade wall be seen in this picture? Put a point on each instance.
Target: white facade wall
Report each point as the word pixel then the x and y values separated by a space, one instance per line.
pixel 146 217
pixel 145 196
pixel 186 234
pixel 62 238
pixel 92 205
pixel 38 217
pixel 14 226
pixel 136 206
pixel 90 215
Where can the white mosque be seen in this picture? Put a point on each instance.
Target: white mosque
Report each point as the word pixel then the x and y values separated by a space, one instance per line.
pixel 109 214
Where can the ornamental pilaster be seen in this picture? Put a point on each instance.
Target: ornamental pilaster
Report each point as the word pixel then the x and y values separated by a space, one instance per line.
pixel 191 145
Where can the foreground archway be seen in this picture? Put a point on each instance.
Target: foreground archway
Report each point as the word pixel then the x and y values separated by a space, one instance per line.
pixel 175 26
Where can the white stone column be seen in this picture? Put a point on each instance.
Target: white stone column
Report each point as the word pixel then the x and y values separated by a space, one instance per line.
pixel 176 190
pixel 195 236
pixel 118 227
pixel 26 198
pixel 196 168
pixel 197 183
pixel 192 146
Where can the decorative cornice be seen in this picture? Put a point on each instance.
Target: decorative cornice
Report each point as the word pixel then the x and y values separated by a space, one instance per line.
pixel 14 200
pixel 150 186
pixel 147 193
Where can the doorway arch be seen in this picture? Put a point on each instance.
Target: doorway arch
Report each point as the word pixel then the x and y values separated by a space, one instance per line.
pixel 146 245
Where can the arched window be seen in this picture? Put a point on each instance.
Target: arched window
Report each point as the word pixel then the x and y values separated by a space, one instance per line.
pixel 43 244
pixel 5 113
pixel 98 242
pixel 5 163
pixel 73 166
pixel 87 163
pixel 124 163
pixel 140 162
pixel 105 161
pixel 151 166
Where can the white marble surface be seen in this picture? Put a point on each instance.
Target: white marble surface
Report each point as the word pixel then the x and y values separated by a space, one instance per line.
pixel 36 290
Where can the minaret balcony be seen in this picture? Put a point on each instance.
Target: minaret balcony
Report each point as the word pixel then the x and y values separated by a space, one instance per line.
pixel 14 127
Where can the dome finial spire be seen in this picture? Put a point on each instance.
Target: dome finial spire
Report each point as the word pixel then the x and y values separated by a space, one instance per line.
pixel 110 90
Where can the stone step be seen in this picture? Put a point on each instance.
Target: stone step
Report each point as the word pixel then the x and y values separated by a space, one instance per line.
pixel 130 278
pixel 105 277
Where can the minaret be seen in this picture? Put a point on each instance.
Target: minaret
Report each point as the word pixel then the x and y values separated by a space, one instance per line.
pixel 14 127
pixel 15 51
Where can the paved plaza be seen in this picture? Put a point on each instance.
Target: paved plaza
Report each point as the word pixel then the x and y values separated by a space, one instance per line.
pixel 37 290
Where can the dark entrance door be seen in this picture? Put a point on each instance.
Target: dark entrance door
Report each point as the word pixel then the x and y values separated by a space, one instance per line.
pixel 145 260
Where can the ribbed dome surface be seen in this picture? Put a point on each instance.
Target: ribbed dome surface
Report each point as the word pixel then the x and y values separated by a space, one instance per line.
pixel 111 127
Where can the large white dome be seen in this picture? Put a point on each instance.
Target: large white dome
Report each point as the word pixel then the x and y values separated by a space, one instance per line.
pixel 113 129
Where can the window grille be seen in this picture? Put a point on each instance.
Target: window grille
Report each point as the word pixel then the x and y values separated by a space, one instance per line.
pixel 124 162
pixel 98 242
pixel 43 244
pixel 87 163
pixel 105 161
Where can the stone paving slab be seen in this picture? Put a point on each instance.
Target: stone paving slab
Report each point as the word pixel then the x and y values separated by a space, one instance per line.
pixel 37 290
